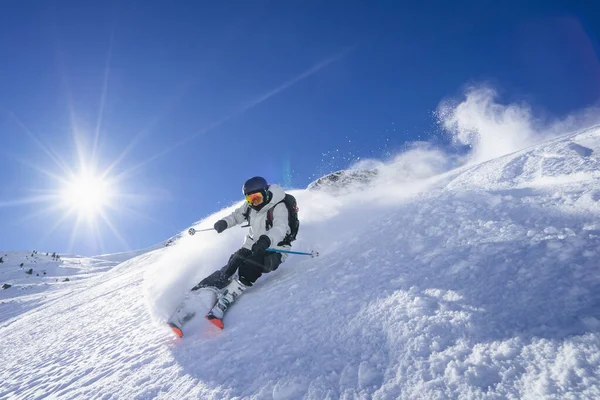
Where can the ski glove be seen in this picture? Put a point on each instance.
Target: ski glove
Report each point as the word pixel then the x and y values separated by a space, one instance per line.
pixel 220 225
pixel 261 245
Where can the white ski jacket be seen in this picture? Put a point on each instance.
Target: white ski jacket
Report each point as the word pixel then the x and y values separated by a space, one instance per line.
pixel 258 219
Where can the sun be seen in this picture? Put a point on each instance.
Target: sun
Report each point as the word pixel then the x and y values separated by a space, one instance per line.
pixel 87 193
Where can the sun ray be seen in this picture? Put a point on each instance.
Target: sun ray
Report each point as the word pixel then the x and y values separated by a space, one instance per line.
pixel 28 200
pixel 136 197
pixel 74 232
pixel 99 243
pixel 131 211
pixel 75 132
pixel 83 156
pixel 171 103
pixel 56 225
pixel 114 231
pixel 57 160
pixel 44 211
pixel 103 96
pixel 40 170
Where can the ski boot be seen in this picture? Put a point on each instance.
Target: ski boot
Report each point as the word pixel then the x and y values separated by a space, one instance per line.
pixel 226 299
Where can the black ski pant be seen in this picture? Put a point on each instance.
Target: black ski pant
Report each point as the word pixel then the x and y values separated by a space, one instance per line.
pixel 251 266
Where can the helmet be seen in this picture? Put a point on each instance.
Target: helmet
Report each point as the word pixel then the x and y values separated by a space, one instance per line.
pixel 257 192
pixel 254 185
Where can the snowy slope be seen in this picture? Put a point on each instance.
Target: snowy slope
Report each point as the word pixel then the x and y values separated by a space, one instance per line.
pixel 28 277
pixel 481 282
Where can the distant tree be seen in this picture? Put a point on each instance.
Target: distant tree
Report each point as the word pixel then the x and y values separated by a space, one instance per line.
pixel 29 271
pixel 21 265
pixel 46 253
pixel 1 260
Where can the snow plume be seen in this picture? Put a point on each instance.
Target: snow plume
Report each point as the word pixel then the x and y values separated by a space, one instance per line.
pixel 405 175
pixel 479 120
pixel 420 160
pixel 408 172
pixel 490 128
pixel 493 129
pixel 177 270
pixel 577 121
pixel 372 182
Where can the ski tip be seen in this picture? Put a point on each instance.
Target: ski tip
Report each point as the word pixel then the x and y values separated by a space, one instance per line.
pixel 215 321
pixel 176 329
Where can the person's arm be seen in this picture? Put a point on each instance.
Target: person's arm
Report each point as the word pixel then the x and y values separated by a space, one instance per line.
pixel 236 217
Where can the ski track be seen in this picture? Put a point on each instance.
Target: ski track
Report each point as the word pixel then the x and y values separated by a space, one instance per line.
pixel 485 287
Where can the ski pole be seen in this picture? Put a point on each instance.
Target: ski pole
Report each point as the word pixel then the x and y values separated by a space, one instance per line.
pixel 193 231
pixel 313 253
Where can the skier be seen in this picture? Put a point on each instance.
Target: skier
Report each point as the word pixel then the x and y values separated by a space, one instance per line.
pixel 267 216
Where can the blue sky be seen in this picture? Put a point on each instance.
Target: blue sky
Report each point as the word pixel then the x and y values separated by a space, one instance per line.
pixel 181 102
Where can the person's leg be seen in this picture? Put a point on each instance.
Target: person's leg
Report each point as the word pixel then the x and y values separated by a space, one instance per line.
pixel 254 267
pixel 249 271
pixel 272 262
pixel 235 261
pixel 221 277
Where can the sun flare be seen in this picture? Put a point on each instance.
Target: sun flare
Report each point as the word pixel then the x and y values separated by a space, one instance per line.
pixel 87 194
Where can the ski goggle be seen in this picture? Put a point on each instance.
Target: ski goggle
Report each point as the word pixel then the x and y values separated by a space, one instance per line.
pixel 254 199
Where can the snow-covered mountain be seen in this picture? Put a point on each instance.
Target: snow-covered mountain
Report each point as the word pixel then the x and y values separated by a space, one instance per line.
pixel 479 282
pixel 344 181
